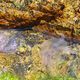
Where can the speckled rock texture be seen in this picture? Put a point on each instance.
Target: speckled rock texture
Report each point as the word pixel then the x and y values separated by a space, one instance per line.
pixel 40 39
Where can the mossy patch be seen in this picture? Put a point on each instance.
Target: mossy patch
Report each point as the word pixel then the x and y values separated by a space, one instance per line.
pixel 8 76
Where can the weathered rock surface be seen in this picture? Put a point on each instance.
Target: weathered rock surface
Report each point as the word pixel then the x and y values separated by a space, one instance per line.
pixel 10 40
pixel 35 13
pixel 52 46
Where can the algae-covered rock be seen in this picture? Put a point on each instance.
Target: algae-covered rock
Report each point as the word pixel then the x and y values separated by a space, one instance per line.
pixel 41 41
pixel 8 76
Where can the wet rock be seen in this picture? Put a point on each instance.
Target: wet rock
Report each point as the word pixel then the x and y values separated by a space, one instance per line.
pixel 10 40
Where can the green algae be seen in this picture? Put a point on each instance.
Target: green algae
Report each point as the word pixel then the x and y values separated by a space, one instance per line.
pixel 8 76
pixel 47 76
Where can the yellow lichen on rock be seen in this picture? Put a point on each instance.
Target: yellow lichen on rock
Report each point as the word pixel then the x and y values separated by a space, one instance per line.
pixel 36 57
pixel 6 60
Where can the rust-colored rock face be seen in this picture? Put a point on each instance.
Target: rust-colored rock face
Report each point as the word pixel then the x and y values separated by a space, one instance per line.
pixel 14 18
pixel 47 14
